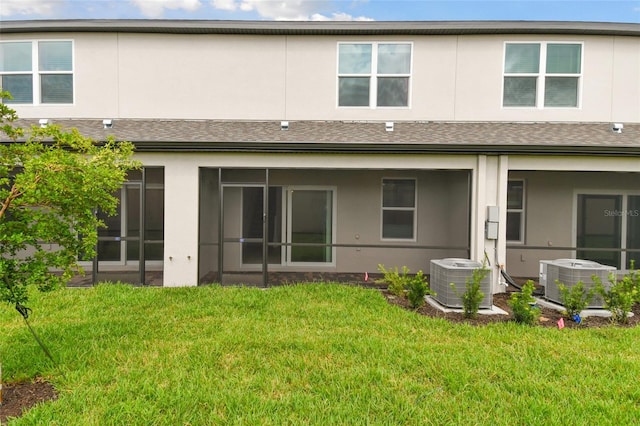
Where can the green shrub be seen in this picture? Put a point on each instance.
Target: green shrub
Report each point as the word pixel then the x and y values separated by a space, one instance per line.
pixel 402 284
pixel 620 296
pixel 472 297
pixel 396 281
pixel 417 288
pixel 522 304
pixel 575 299
pixel 635 280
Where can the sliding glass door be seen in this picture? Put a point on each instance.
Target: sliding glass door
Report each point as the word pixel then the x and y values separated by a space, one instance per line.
pixel 253 225
pixel 599 228
pixel 310 225
pixel 633 231
pixel 610 222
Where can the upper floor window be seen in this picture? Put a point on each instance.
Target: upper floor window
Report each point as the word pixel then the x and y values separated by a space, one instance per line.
pixel 399 209
pixel 542 75
pixel 374 74
pixel 38 72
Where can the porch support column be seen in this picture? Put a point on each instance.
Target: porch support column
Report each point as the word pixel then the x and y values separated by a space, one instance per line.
pixel 181 224
pixel 489 189
pixel 501 243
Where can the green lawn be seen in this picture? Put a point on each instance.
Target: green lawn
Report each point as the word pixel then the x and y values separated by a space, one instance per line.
pixel 308 354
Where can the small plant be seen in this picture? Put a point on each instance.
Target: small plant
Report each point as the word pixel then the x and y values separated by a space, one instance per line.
pixel 417 288
pixel 635 279
pixel 620 296
pixel 575 299
pixel 403 284
pixel 523 305
pixel 472 297
pixel 396 281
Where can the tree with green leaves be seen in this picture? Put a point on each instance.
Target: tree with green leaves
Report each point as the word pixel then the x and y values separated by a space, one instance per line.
pixel 52 181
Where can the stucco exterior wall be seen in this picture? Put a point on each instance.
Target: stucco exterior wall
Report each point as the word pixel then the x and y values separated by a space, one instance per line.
pixel 118 75
pixel 357 218
pixel 551 212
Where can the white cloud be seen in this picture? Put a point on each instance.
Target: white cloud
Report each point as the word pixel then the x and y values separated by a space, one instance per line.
pixel 155 8
pixel 298 10
pixel 27 7
pixel 338 17
pixel 287 10
pixel 292 9
pixel 230 5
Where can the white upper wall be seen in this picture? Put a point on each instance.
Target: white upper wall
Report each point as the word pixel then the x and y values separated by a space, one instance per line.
pixel 294 77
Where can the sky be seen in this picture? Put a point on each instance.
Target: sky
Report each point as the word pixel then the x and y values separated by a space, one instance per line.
pixel 324 10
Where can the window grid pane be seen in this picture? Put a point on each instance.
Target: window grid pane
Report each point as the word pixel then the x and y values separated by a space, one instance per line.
pixel 354 59
pixel 561 92
pixel 398 193
pixel 55 56
pixel 515 191
pixel 394 58
pixel 520 91
pixel 354 91
pixel 56 88
pixel 514 226
pixel 522 58
pixel 563 58
pixel 15 57
pixel 397 224
pixel 393 91
pixel 20 87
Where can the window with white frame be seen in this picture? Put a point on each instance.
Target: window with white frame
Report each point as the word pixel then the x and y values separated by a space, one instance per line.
pixel 374 74
pixel 399 209
pixel 515 211
pixel 542 75
pixel 37 72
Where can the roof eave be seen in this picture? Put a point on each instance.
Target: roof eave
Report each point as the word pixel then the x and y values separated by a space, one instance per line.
pixel 378 148
pixel 322 27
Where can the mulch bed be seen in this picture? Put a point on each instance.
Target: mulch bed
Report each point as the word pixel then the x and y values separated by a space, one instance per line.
pixel 19 397
pixel 548 317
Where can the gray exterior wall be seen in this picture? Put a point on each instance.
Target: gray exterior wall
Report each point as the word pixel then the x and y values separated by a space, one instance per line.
pixel 551 213
pixel 443 218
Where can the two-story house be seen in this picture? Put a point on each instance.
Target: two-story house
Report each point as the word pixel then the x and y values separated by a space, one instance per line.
pixel 318 150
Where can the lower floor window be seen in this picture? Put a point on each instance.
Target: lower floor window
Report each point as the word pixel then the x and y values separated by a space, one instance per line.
pixel 398 209
pixel 515 211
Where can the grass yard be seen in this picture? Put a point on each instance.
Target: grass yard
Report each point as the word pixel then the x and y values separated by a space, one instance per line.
pixel 307 354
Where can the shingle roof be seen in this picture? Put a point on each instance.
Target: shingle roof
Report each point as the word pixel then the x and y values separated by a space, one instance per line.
pixel 216 135
pixel 322 27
